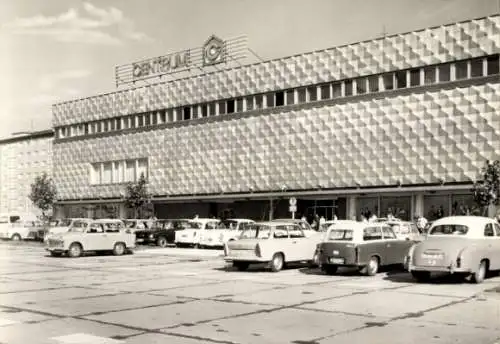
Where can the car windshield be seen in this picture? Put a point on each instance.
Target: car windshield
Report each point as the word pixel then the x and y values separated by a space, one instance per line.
pixel 340 234
pixel 256 232
pixel 449 230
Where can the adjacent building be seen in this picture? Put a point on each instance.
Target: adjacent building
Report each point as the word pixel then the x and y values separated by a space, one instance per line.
pixel 22 158
pixel 397 125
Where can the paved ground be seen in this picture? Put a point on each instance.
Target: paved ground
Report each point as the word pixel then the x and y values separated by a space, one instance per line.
pixel 156 297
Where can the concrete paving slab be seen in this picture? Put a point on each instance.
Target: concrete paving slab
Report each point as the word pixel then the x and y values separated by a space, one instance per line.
pixel 14 316
pixel 281 326
pixel 102 304
pixel 177 314
pixel 409 333
pixel 158 284
pixel 381 303
pixel 10 286
pixel 161 338
pixel 47 334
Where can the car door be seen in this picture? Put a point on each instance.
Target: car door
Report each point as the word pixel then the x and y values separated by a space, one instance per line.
pixel 112 234
pixel 489 249
pixel 395 248
pixel 281 242
pixel 496 246
pixel 373 244
pixel 301 246
pixel 94 239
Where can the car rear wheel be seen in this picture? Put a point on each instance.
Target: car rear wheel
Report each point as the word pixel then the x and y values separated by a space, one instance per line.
pixel 161 241
pixel 421 276
pixel 75 250
pixel 277 262
pixel 329 269
pixel 480 274
pixel 371 268
pixel 16 237
pixel 119 249
pixel 241 266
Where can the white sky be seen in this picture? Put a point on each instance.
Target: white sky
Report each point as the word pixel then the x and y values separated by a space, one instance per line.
pixel 58 50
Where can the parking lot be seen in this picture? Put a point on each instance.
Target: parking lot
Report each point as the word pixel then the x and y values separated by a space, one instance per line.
pixel 189 296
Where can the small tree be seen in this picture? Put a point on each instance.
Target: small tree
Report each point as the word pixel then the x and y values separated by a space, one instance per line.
pixel 136 195
pixel 43 193
pixel 487 190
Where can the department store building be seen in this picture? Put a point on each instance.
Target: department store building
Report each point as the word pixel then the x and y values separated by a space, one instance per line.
pixel 401 124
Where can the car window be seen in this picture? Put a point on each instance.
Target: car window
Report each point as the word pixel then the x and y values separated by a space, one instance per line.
pixel 280 232
pixel 449 230
pixel 295 232
pixel 388 233
pixel 372 233
pixel 14 218
pixel 488 230
pixel 256 231
pixel 497 229
pixel 95 228
pixel 4 219
pixel 113 227
pixel 341 234
pixel 211 225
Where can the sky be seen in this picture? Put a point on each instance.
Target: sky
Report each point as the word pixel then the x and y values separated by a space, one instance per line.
pixel 59 50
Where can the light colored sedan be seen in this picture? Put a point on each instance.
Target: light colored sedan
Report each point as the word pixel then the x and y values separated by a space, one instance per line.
pixel 226 231
pixel 468 245
pixel 275 243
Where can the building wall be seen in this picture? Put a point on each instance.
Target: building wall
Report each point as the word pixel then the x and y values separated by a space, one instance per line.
pixel 426 136
pixel 441 44
pixel 21 160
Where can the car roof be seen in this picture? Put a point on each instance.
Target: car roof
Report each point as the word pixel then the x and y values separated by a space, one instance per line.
pixel 273 223
pixel 356 225
pixel 241 220
pixel 107 220
pixel 464 220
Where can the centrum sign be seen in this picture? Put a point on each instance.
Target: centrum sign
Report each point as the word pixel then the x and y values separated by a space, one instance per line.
pixel 213 52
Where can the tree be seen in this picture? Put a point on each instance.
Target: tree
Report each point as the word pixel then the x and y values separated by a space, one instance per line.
pixel 487 190
pixel 136 195
pixel 43 193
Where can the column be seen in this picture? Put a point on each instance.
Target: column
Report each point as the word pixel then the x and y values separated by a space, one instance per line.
pixel 419 205
pixel 271 209
pixel 352 204
pixel 122 211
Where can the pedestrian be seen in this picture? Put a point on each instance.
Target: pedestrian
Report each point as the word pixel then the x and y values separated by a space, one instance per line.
pixel 303 218
pixel 196 217
pixel 373 218
pixel 322 221
pixel 421 223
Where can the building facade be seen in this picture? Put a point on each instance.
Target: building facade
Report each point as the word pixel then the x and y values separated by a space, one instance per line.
pixel 22 159
pixel 401 125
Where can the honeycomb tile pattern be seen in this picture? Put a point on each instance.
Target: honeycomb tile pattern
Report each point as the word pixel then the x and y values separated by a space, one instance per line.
pixel 417 138
pixel 430 46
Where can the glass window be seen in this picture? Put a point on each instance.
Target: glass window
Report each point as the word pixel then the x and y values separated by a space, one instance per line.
pixel 147 119
pixel 140 120
pixel 204 110
pixel 372 233
pixel 361 86
pixel 348 88
pixel 415 77
pixel 222 108
pixel 476 67
pixel 340 234
pixel 492 65
pixel 313 93
pixel 325 91
pixel 336 89
pixel 95 173
pixel 256 231
pixel 444 73
pixel 154 118
pixel 449 230
pixel 270 100
pixel 86 128
pixel 112 125
pixel 130 171
pixel 280 232
pixel 301 95
pixel 132 122
pixel 429 75
pixel 388 80
pixel 195 110
pixel 388 233
pixel 401 79
pixel 142 168
pixel 106 173
pixel 295 232
pixel 163 117
pixel 186 113
pixel 373 83
pixel 239 105
pixel 290 97
pixel 249 101
pixel 259 101
pixel 230 106
pixel 488 230
pixel 212 109
pixel 461 70
pixel 497 229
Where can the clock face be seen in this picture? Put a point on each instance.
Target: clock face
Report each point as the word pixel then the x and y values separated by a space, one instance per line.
pixel 213 51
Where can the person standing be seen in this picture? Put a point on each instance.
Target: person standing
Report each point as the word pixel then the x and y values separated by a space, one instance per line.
pixel 421 223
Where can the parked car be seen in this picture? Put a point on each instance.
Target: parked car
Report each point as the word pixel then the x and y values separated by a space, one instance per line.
pixel 63 225
pixel 366 246
pixel 192 236
pixel 16 227
pixel 467 245
pixel 163 232
pixel 304 225
pixel 228 230
pixel 94 235
pixel 405 230
pixel 135 225
pixel 276 243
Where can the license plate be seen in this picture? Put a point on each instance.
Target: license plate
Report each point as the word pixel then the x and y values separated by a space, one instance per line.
pixel 184 235
pixel 436 256
pixel 337 260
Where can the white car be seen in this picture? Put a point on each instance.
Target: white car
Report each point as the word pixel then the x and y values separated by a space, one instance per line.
pixel 95 235
pixel 16 227
pixel 192 236
pixel 227 230
pixel 275 242
pixel 63 225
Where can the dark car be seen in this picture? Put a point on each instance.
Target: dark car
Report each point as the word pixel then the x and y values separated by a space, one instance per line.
pixel 162 232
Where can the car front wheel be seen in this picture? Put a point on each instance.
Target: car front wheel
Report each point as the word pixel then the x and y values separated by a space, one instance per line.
pixel 16 237
pixel 277 262
pixel 75 250
pixel 119 249
pixel 161 241
pixel 480 274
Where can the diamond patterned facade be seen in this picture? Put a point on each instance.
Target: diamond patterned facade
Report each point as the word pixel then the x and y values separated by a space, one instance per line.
pixel 422 137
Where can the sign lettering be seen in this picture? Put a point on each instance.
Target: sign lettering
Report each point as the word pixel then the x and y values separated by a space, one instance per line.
pixel 162 65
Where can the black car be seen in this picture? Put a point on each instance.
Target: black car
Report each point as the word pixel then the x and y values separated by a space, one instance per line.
pixel 162 232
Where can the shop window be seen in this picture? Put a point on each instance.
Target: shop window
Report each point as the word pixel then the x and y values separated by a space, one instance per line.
pixel 325 92
pixel 239 105
pixel 436 207
pixel 461 70
pixel 336 90
pixel 259 101
pixel 290 97
pixel 186 113
pixel 397 206
pixel 367 206
pixel 415 77
pixel 388 80
pixel 444 72
pixel 249 102
pixel 476 67
pixel 492 65
pixel 373 83
pixel 400 79
pixel 464 205
pixel 348 88
pixel 212 109
pixel 270 100
pixel 280 98
pixel 313 93
pixel 301 92
pixel 204 110
pixel 222 108
pixel 230 106
pixel 429 75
